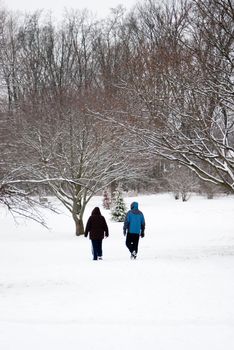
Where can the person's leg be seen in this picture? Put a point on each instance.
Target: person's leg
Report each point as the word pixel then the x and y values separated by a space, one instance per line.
pixel 99 248
pixel 135 242
pixel 129 242
pixel 94 249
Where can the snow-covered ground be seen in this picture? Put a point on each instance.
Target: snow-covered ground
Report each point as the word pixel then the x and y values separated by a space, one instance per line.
pixel 178 294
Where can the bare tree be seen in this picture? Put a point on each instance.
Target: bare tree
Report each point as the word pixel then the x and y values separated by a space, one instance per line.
pixel 182 182
pixel 76 155
pixel 8 57
pixel 182 87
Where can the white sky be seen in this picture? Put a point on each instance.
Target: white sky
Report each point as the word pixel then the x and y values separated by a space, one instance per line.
pixel 99 7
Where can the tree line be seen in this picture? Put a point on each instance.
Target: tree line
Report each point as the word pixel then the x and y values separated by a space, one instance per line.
pixel 86 103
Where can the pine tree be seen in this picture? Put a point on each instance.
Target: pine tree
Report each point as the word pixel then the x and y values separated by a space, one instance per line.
pixel 118 211
pixel 106 202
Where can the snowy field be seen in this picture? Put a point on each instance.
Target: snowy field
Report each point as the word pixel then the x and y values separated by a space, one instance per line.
pixel 178 294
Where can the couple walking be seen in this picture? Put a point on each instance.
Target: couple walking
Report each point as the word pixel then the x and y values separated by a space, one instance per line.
pixel 133 229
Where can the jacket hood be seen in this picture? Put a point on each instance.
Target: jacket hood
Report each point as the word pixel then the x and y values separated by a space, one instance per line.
pixel 96 211
pixel 134 205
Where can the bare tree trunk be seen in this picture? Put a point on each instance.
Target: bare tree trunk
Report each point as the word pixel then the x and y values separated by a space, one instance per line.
pixel 79 226
pixel 77 214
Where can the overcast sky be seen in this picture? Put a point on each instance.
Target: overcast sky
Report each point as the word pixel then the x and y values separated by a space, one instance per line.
pixel 99 7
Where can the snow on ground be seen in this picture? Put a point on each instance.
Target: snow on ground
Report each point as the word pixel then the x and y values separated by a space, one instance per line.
pixel 178 294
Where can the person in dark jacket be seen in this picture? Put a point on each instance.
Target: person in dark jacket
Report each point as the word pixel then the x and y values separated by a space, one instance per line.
pixel 134 227
pixel 97 229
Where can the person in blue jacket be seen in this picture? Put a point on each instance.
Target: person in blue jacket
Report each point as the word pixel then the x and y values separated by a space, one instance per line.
pixel 134 227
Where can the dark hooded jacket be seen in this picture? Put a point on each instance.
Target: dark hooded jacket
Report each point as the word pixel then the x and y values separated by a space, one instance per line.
pixel 134 221
pixel 96 225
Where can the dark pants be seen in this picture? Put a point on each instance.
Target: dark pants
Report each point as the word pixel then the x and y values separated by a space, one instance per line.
pixel 96 248
pixel 132 241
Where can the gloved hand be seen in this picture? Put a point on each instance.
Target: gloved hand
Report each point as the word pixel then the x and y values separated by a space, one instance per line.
pixel 106 235
pixel 142 234
pixel 124 232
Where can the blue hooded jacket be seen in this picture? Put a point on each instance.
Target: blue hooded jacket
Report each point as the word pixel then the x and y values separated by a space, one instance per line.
pixel 134 220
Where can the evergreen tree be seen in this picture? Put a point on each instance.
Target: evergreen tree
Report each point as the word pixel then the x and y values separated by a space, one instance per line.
pixel 106 202
pixel 119 210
